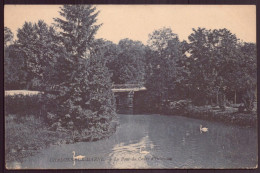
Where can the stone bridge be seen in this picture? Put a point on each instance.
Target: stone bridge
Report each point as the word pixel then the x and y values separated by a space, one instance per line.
pixel 127 88
pixel 125 94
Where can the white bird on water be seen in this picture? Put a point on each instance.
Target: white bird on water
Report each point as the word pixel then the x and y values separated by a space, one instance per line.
pixel 79 157
pixel 203 129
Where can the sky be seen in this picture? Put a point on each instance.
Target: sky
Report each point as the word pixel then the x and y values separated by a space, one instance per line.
pixel 138 21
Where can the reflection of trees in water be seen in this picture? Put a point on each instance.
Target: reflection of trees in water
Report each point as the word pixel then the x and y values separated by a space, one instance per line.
pixel 133 141
pixel 173 137
pixel 180 139
pixel 131 155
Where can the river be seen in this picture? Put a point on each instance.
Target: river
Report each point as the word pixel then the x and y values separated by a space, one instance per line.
pixel 155 141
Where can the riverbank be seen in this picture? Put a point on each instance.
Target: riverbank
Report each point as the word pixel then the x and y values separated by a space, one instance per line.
pixel 28 129
pixel 177 138
pixel 26 136
pixel 229 116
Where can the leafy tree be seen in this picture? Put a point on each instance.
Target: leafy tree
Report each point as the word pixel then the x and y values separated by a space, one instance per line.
pixel 38 47
pixel 247 76
pixel 203 64
pixel 213 55
pixel 226 54
pixel 220 64
pixel 27 58
pixel 13 63
pixel 159 39
pixel 129 64
pixel 237 70
pixel 8 36
pixel 110 54
pixel 14 72
pixel 126 61
pixel 166 70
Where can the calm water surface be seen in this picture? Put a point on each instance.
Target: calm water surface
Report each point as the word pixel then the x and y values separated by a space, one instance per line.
pixel 156 141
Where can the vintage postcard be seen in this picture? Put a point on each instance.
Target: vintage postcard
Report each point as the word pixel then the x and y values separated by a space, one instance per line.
pixel 130 86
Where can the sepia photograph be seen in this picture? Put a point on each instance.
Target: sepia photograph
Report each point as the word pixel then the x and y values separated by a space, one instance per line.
pixel 130 86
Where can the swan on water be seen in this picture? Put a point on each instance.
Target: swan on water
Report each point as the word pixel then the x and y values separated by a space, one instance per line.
pixel 79 157
pixel 203 129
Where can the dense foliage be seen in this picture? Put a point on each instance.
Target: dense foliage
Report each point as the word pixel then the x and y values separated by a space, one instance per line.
pixel 66 64
pixel 220 66
pixel 23 105
pixel 167 72
pixel 14 64
pixel 76 72
pixel 8 36
pixel 126 61
pixel 81 92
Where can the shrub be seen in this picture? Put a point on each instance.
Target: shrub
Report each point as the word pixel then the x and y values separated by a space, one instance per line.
pixel 241 109
pixel 248 99
pixel 26 136
pixel 82 102
pixel 178 107
pixel 23 104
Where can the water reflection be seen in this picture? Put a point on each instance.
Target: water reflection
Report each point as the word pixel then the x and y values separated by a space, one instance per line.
pixel 133 155
pixel 155 141
pixel 222 146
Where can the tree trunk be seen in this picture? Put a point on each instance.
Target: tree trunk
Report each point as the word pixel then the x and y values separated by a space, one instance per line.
pixel 235 97
pixel 222 101
pixel 28 84
pixel 217 99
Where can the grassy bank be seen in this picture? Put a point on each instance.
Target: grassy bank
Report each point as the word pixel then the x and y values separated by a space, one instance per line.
pixel 28 128
pixel 230 115
pixel 25 136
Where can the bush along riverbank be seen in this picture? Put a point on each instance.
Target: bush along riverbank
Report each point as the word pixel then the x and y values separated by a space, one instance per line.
pixel 231 115
pixel 74 83
pixel 28 135
pixel 28 129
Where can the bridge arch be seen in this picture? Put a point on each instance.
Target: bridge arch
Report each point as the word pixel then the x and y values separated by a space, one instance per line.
pixel 125 95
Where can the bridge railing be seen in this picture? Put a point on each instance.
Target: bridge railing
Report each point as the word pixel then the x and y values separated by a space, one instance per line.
pixel 122 86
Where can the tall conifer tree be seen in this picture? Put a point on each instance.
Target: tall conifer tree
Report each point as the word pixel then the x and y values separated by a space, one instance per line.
pixel 83 96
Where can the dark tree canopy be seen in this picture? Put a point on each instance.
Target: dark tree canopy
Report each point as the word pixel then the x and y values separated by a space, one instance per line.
pixel 8 36
pixel 78 28
pixel 76 71
pixel 166 71
pixel 129 65
pixel 39 48
pixel 220 64
pixel 81 86
pixel 15 73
